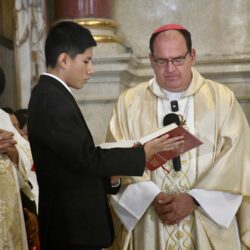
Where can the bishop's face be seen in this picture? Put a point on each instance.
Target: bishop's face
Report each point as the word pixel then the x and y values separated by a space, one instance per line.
pixel 175 73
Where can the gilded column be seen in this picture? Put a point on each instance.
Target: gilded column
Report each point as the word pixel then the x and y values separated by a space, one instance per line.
pixel 93 14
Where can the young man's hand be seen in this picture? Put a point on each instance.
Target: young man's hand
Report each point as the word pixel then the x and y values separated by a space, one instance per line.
pixel 163 143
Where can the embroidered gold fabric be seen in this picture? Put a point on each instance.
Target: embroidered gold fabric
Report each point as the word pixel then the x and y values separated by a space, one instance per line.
pixel 10 220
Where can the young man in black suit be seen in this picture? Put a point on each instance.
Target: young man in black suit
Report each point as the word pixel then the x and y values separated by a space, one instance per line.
pixel 73 175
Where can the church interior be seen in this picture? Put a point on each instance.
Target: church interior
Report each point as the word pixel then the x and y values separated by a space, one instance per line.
pixel 220 33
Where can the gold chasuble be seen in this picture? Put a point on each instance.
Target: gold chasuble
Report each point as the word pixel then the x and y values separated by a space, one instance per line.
pixel 221 163
pixel 12 179
pixel 11 219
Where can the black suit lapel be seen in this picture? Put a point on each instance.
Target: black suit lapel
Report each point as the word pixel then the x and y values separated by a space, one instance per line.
pixel 65 91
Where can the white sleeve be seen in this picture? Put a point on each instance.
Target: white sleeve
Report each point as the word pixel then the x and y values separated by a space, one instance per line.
pixel 219 206
pixel 132 201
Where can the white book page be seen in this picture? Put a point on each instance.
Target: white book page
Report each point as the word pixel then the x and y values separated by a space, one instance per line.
pixel 157 133
pixel 119 144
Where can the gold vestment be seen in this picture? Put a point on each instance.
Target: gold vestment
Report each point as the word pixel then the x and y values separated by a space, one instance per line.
pixel 223 164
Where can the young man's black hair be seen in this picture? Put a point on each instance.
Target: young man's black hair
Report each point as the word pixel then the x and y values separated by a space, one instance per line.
pixel 67 37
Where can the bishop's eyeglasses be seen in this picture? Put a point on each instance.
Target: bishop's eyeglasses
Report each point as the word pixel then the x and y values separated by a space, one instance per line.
pixel 176 61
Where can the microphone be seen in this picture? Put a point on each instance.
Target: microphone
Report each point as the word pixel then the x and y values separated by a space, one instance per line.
pixel 168 119
pixel 174 106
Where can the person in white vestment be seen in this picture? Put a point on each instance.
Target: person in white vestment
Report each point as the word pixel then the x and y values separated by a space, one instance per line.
pixel 15 156
pixel 205 205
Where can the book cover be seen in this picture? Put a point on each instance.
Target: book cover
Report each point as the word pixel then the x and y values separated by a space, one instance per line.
pixel 160 158
pixel 132 143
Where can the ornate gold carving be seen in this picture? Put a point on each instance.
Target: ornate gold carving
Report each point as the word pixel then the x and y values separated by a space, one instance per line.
pixel 98 23
pixel 107 39
pixel 94 23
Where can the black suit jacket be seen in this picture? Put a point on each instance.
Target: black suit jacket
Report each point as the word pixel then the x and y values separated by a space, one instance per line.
pixel 73 175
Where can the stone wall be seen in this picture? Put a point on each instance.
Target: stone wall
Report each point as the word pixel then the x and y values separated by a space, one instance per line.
pixel 7 63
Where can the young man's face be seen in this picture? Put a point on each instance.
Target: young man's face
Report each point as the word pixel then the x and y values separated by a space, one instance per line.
pixel 79 69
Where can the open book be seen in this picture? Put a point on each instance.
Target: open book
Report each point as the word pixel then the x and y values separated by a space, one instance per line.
pixel 160 158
